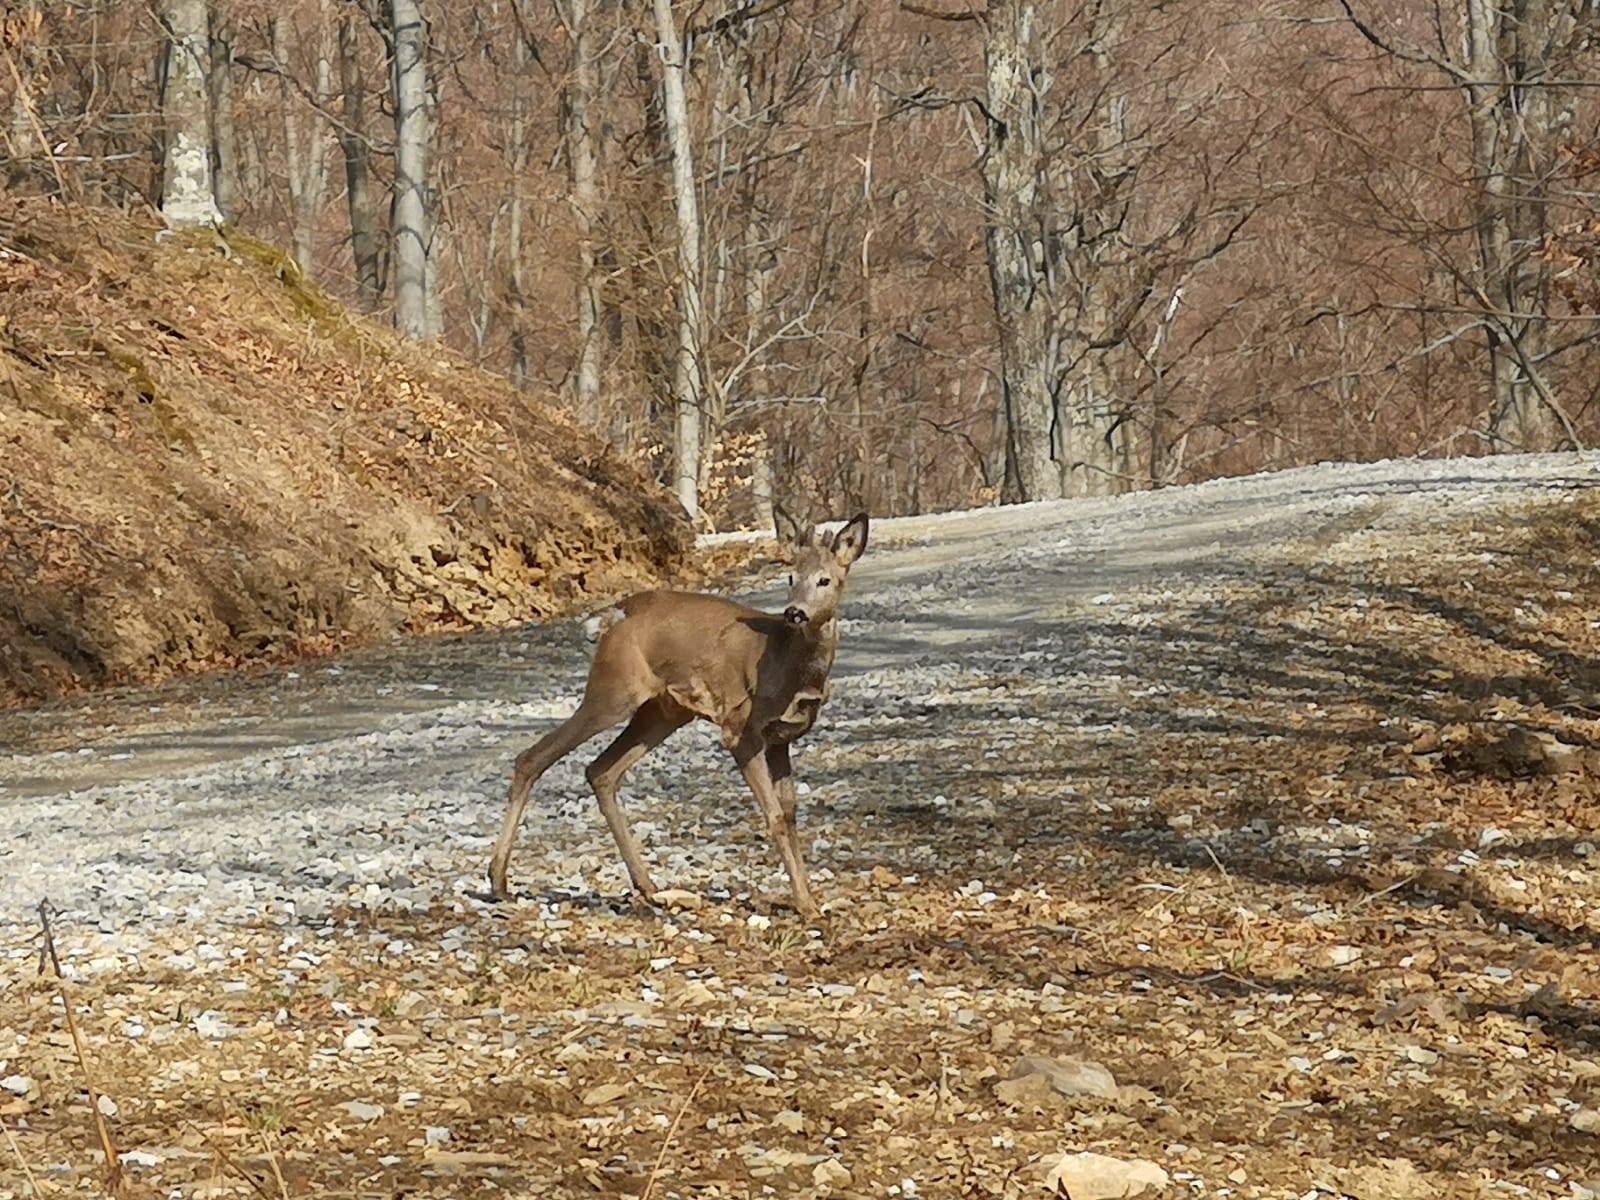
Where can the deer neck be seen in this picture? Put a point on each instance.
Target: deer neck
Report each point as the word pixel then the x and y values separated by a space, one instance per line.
pixel 812 651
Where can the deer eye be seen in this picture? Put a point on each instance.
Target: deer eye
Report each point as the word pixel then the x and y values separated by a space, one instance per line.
pixel 824 581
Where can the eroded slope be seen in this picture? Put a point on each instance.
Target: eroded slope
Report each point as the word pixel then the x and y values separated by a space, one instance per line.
pixel 204 459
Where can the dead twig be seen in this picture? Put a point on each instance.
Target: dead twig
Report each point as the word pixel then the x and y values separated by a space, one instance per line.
pixel 1217 863
pixel 272 1161
pixel 47 944
pixel 655 1171
pixel 1393 887
pixel 227 1161
pixel 27 1172
pixel 113 1184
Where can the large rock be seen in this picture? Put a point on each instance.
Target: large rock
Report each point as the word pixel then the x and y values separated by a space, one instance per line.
pixel 1036 1078
pixel 1088 1176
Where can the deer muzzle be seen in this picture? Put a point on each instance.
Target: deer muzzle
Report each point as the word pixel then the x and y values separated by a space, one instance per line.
pixel 794 615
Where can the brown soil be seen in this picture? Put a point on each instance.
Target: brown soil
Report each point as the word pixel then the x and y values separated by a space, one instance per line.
pixel 204 459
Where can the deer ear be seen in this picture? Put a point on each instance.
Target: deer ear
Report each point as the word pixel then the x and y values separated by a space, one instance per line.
pixel 851 541
pixel 788 529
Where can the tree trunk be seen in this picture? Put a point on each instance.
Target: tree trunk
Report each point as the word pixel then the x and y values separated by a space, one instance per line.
pixel 760 263
pixel 516 292
pixel 365 241
pixel 437 244
pixel 648 327
pixel 1092 462
pixel 188 195
pixel 415 288
pixel 1017 239
pixel 582 95
pixel 1160 414
pixel 761 489
pixel 1093 452
pixel 866 376
pixel 1512 113
pixel 224 129
pixel 21 122
pixel 304 141
pixel 688 388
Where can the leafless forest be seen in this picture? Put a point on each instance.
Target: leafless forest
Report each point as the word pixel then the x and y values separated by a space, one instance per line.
pixel 905 255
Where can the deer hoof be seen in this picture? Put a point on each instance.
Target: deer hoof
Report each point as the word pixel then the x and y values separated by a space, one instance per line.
pixel 643 904
pixel 805 909
pixel 498 890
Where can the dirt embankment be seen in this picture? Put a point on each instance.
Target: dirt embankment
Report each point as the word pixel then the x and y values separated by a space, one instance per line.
pixel 204 459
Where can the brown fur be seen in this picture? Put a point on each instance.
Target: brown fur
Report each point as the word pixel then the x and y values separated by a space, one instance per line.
pixel 673 657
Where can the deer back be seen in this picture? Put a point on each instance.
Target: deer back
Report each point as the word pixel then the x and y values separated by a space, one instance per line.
pixel 728 663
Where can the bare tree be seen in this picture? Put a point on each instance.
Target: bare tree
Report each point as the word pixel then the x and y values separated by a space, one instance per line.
pixel 188 196
pixel 1093 115
pixel 1024 250
pixel 688 382
pixel 224 128
pixel 1517 56
pixel 582 96
pixel 416 311
pixel 365 239
pixel 923 258
pixel 1515 73
pixel 304 132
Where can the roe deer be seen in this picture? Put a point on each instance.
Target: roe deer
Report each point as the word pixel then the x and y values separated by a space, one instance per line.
pixel 675 656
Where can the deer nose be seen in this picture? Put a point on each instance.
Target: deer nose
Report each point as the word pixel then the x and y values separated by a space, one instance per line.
pixel 794 615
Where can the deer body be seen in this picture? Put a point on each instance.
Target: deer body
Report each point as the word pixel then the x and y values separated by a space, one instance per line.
pixel 666 658
pixel 745 671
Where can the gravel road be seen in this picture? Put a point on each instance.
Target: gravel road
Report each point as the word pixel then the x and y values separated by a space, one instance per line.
pixel 379 779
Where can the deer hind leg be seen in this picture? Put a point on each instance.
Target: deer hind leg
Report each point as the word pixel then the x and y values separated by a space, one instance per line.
pixel 655 721
pixel 754 763
pixel 595 715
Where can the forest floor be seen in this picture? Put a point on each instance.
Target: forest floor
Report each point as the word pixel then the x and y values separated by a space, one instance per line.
pixel 1247 830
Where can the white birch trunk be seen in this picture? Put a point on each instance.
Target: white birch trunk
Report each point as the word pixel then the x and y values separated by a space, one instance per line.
pixel 688 389
pixel 415 288
pixel 188 195
pixel 582 95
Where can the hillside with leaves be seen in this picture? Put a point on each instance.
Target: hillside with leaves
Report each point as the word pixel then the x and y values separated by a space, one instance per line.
pixel 208 460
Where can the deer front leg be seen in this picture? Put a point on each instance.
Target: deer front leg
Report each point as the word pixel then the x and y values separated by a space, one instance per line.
pixel 753 760
pixel 782 773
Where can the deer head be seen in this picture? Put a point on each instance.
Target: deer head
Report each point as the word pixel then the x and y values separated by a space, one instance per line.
pixel 821 563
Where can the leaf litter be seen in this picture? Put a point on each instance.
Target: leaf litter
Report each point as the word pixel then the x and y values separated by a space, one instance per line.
pixel 1236 848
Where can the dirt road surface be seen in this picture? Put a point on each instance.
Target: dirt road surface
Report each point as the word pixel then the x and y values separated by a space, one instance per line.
pixel 1273 797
